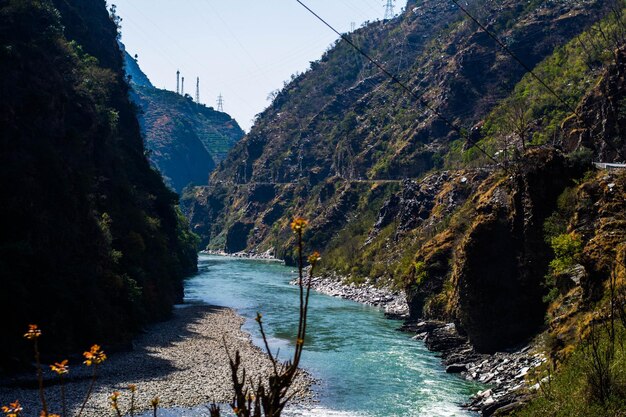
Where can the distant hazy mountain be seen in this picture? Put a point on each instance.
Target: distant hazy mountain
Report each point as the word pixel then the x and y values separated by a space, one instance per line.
pixel 185 140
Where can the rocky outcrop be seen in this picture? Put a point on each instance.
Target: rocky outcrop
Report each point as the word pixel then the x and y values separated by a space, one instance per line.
pixel 237 237
pixel 504 252
pixel 506 374
pixel 600 222
pixel 427 206
pixel 602 122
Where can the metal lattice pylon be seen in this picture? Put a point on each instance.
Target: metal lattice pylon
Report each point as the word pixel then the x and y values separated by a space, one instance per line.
pixel 389 14
pixel 220 103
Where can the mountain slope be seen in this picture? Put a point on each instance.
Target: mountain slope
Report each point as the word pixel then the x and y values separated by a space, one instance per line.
pixel 342 120
pixel 185 140
pixel 132 69
pixel 86 223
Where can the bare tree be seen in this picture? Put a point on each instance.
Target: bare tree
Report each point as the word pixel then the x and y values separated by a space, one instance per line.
pixel 518 120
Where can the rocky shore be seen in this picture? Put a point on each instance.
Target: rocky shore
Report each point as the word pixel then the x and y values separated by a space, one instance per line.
pixel 263 256
pixel 393 303
pixel 182 361
pixel 505 373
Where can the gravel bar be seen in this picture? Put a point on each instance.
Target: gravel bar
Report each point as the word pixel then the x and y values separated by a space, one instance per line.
pixel 182 361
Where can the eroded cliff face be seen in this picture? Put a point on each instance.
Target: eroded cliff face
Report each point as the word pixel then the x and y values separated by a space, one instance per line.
pixel 484 267
pixel 487 270
pixel 596 219
pixel 503 257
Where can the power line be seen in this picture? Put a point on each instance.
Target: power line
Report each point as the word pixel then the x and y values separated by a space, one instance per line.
pixel 535 76
pixel 395 79
pixel 515 57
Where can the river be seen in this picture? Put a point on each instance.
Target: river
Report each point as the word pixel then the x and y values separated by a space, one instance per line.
pixel 363 365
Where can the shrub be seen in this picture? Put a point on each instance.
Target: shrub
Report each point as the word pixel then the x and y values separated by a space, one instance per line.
pixel 567 249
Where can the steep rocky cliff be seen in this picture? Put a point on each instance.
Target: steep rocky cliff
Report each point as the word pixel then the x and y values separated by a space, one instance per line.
pixel 502 259
pixel 602 112
pixel 86 223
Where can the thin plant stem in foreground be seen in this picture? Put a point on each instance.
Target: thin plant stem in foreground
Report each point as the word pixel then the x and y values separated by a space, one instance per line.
pixel 33 334
pixel 269 400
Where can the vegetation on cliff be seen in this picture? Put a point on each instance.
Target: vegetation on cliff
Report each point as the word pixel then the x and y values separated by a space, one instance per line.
pixel 92 242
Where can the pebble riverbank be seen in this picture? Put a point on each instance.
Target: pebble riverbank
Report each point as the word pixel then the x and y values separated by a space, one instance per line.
pixel 392 303
pixel 260 256
pixel 182 361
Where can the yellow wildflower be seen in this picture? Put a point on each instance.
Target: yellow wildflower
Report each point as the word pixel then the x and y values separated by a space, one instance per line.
pixel 132 387
pixel 95 356
pixel 13 410
pixel 60 368
pixel 43 414
pixel 259 317
pixel 33 332
pixel 155 402
pixel 314 258
pixel 299 341
pixel 298 224
pixel 113 398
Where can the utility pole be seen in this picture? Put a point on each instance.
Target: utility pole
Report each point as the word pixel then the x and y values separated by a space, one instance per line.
pixel 220 103
pixel 182 86
pixel 389 14
pixel 198 90
pixel 352 26
pixel 177 82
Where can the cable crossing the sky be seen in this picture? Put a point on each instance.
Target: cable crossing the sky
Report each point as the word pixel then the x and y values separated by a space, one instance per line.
pixel 395 79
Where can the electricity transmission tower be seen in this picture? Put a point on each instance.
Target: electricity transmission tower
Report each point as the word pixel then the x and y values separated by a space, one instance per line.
pixel 220 103
pixel 389 14
pixel 198 90
pixel 182 86
pixel 177 82
pixel 352 26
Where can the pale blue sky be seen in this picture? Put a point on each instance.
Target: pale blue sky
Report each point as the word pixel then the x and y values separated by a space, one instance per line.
pixel 243 49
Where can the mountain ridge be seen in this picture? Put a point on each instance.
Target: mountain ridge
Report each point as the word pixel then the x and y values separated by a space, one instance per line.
pixel 185 140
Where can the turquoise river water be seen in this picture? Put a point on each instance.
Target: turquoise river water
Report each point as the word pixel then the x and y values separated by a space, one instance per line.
pixel 363 365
